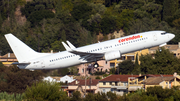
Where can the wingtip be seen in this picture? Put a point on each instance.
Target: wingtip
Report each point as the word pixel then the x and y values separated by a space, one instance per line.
pixel 8 34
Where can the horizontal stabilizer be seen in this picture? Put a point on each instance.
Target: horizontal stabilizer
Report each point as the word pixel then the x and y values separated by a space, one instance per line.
pixel 17 63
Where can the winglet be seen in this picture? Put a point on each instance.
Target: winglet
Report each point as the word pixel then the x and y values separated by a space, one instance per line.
pixel 66 47
pixel 70 45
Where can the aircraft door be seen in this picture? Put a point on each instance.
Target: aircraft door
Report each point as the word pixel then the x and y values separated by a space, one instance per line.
pixel 42 64
pixel 155 37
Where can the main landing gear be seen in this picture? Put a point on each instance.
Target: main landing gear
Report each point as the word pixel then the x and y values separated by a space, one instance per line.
pixel 96 65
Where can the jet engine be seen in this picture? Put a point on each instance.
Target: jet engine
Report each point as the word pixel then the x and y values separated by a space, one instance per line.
pixel 112 55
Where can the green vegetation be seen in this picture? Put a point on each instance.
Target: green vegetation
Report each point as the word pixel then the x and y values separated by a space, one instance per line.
pixel 98 77
pixel 15 80
pixel 49 22
pixel 45 91
pixel 163 62
pixel 11 97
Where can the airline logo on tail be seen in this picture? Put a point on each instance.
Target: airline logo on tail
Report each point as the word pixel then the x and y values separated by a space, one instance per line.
pixel 130 38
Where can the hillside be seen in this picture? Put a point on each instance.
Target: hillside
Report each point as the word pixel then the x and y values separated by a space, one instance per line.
pixel 44 24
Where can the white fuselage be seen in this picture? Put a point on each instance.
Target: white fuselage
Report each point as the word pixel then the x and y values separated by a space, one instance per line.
pixel 124 45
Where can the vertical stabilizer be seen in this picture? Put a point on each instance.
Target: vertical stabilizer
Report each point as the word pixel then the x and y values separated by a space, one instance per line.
pixel 22 52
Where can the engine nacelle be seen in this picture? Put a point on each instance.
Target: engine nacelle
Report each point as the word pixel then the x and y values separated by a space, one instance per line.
pixel 112 55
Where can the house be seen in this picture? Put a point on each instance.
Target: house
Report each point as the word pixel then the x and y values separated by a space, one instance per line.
pixel 66 79
pixel 87 69
pixel 175 49
pixel 50 79
pixel 8 59
pixel 128 56
pixel 164 82
pixel 139 82
pixel 116 83
pixel 83 86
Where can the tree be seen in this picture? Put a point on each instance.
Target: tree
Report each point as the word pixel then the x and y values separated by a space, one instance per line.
pixel 126 67
pixel 45 91
pixel 159 1
pixel 81 11
pixel 63 9
pixel 112 96
pixel 63 71
pixel 1 65
pixel 97 77
pixel 89 97
pixel 76 96
pixel 164 62
pixel 36 16
pixel 176 23
pixel 123 19
pixel 146 64
pixel 161 93
pixel 15 80
pixel 169 8
pixel 106 21
pixel 137 68
pixel 113 70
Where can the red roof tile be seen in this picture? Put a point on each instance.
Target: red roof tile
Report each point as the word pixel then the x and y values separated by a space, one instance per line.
pixel 122 78
pixel 82 82
pixel 156 75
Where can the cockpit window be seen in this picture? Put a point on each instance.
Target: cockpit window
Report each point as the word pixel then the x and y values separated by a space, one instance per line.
pixel 163 33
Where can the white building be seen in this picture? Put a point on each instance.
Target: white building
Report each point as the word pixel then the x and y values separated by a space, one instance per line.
pixel 66 79
pixel 48 78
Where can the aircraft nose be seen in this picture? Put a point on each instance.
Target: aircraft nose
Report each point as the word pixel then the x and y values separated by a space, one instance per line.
pixel 171 36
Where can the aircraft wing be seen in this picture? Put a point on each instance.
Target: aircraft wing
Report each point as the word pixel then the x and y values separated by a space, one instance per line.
pixel 88 56
pixel 17 63
pixel 84 55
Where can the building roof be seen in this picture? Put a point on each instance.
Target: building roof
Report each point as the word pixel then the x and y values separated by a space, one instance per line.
pixel 8 56
pixel 170 47
pixel 83 77
pixel 156 75
pixel 157 80
pixel 82 82
pixel 122 78
pixel 56 78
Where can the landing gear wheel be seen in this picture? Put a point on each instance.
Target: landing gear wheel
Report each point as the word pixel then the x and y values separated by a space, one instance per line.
pixel 96 65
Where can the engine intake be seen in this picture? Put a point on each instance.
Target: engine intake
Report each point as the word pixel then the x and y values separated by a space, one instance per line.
pixel 112 55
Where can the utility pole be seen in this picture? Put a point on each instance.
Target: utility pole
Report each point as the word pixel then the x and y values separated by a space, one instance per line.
pixel 0 54
pixel 85 82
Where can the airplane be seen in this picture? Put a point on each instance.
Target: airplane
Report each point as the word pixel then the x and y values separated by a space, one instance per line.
pixel 107 50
